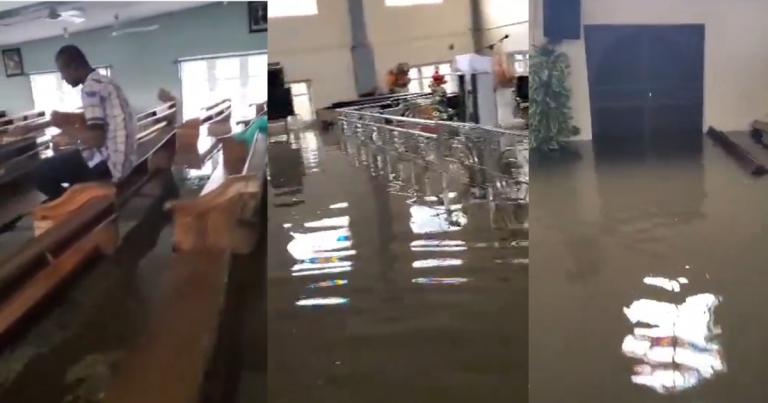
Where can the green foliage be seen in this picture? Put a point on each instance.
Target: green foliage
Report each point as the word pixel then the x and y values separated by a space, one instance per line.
pixel 550 118
pixel 442 112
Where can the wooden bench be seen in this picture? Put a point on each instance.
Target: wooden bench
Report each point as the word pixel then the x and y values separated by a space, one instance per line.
pixel 20 167
pixel 157 133
pixel 178 352
pixel 196 138
pixel 77 227
pixel 17 150
pixel 7 123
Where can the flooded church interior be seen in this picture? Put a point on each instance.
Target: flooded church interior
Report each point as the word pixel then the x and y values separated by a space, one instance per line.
pixel 328 201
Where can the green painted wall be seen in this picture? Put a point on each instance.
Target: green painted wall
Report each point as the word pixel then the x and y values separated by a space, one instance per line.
pixel 142 62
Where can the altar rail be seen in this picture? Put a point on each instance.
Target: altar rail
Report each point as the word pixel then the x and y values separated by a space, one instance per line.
pixel 495 159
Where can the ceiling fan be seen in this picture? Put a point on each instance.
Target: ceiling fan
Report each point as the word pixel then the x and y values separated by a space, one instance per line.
pixel 74 16
pixel 122 31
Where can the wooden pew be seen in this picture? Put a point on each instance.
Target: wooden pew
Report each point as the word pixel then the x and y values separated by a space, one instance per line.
pixel 7 123
pixel 21 147
pixel 180 348
pixel 196 138
pixel 27 154
pixel 156 130
pixel 77 227
pixel 215 218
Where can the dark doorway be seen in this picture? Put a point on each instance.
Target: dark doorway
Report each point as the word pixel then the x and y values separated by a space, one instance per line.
pixel 646 83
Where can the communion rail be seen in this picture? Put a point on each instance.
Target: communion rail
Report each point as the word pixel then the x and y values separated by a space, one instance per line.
pixel 494 160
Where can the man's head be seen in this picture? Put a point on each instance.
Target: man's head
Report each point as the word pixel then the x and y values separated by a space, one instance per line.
pixel 73 65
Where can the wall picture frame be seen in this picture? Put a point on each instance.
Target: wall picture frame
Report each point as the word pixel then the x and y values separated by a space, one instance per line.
pixel 13 62
pixel 257 16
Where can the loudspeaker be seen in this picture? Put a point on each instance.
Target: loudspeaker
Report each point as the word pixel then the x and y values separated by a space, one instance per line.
pixel 562 19
pixel 521 88
pixel 279 103
pixel 275 76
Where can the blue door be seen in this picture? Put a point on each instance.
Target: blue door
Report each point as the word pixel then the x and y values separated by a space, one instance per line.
pixel 646 82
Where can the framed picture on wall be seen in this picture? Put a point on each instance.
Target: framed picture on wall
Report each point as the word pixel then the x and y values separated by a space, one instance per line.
pixel 14 64
pixel 257 16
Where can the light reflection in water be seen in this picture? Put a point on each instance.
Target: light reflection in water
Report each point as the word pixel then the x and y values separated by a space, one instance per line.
pixel 312 264
pixel 441 280
pixel 321 271
pixel 434 219
pixel 439 262
pixel 329 283
pixel 676 342
pixel 329 222
pixel 665 283
pixel 306 246
pixel 319 252
pixel 322 301
pixel 309 151
pixel 444 245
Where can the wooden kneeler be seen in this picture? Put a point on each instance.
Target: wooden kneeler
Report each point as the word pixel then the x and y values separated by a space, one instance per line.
pixel 47 215
pixel 215 219
pixel 222 216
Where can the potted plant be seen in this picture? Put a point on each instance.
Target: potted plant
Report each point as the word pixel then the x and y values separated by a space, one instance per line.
pixel 550 121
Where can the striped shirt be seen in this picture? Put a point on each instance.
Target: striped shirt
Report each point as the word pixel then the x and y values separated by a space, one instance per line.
pixel 104 103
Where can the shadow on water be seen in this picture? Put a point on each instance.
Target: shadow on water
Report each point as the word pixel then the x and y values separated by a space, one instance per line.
pixel 75 342
pixel 649 277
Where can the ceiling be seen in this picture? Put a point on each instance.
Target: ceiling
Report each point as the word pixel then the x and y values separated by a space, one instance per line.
pixel 22 21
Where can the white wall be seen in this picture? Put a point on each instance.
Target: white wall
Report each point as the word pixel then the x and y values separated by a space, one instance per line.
pixel 317 48
pixel 735 60
pixel 417 34
pixel 142 62
pixel 498 13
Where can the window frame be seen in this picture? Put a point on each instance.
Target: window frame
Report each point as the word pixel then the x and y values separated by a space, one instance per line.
pixel 240 104
pixel 411 3
pixel 512 60
pixel 307 94
pixel 61 90
pixel 311 9
pixel 452 85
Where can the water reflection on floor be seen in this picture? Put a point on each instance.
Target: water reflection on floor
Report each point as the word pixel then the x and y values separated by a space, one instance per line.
pixel 384 288
pixel 649 277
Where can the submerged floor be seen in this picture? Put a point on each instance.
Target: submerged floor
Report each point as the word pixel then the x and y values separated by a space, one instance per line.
pixel 376 294
pixel 649 280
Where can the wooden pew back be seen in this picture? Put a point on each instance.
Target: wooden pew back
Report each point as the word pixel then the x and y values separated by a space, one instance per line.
pixel 7 123
pixel 197 137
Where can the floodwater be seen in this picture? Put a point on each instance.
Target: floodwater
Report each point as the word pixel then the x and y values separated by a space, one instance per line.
pixel 70 351
pixel 649 277
pixel 378 292
pixel 71 348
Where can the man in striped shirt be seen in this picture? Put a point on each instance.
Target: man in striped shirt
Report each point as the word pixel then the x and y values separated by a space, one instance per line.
pixel 106 138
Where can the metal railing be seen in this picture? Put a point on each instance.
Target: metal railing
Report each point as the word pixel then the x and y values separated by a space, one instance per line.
pixel 494 160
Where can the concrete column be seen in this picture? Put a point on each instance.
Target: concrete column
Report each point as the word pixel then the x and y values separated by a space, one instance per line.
pixel 362 54
pixel 478 26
